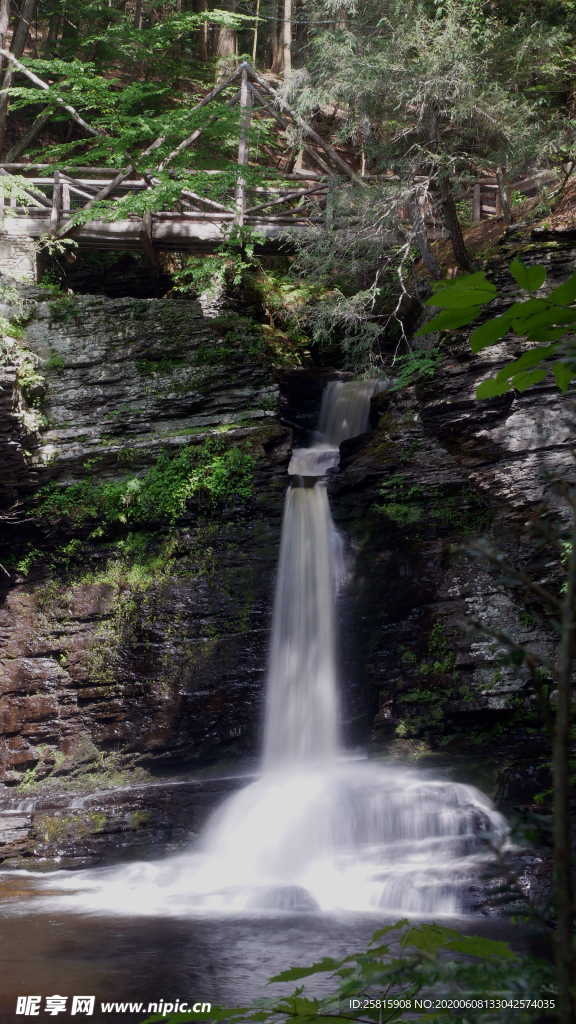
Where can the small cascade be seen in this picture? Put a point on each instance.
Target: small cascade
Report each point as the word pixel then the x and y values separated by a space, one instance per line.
pixel 317 831
pixel 345 410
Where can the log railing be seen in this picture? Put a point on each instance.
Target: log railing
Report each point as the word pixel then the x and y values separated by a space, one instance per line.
pixel 298 199
pixel 66 191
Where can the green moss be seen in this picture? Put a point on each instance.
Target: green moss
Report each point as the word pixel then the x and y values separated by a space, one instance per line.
pixel 57 829
pixel 138 819
pixel 160 495
pixel 10 329
pixel 408 503
pixel 64 309
pixel 151 367
pixel 54 362
pixel 30 381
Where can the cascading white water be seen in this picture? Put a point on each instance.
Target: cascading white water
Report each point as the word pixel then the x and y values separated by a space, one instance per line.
pixel 316 831
pixel 345 410
pixel 301 691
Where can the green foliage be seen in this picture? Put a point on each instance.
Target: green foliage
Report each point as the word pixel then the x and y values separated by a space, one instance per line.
pixel 234 257
pixel 18 191
pixel 24 565
pixel 408 504
pixel 9 329
pixel 403 962
pixel 213 470
pixel 151 367
pixel 415 366
pixel 64 309
pixel 55 247
pixel 54 362
pixel 547 320
pixel 30 381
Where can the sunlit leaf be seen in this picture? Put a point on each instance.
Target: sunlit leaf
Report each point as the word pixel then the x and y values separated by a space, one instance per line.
pixel 449 319
pixel 523 381
pixel 527 361
pixel 428 937
pixel 547 333
pixel 549 317
pixel 295 973
pixel 565 293
pixel 529 278
pixel 464 292
pixel 490 332
pixel 492 388
pixel 563 374
pixel 477 945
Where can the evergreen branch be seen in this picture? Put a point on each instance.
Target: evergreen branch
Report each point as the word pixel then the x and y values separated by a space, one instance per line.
pixel 47 88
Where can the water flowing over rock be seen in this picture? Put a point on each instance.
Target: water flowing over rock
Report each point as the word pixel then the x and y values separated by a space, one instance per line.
pixel 317 832
pixel 302 699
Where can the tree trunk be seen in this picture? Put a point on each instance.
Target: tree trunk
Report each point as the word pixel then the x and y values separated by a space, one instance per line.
pixel 276 38
pixel 452 224
pixel 227 39
pixel 18 43
pixel 421 239
pixel 26 140
pixel 4 19
pixel 255 37
pixel 287 38
pixel 23 27
pixel 204 36
pixel 50 48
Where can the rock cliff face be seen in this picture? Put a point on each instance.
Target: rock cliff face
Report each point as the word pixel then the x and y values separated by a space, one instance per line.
pixel 135 639
pixel 135 630
pixel 441 472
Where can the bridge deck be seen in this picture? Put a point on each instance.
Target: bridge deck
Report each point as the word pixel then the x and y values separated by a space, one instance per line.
pixel 201 223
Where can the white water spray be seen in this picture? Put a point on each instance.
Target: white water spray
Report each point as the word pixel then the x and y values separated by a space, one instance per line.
pixel 317 831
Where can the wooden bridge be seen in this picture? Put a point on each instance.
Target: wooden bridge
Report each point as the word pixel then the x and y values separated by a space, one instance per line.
pixel 280 205
pixel 199 222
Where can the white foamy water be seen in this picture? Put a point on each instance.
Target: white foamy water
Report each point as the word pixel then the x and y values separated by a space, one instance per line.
pixel 315 832
pixel 302 692
pixel 345 410
pixel 356 837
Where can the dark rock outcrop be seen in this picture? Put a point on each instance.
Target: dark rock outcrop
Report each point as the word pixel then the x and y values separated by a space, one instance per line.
pixel 115 653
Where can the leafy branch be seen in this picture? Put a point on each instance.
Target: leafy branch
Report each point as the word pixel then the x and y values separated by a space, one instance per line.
pixel 401 963
pixel 545 320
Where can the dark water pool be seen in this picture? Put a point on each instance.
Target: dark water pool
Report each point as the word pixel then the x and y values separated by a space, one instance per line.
pixel 220 960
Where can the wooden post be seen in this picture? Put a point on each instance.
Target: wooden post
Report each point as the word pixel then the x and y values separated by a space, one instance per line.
pixel 56 211
pixel 477 203
pixel 243 145
pixel 65 198
pixel 148 238
pixel 503 196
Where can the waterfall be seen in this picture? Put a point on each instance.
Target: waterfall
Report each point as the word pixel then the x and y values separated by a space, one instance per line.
pixel 302 684
pixel 301 689
pixel 318 831
pixel 345 410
